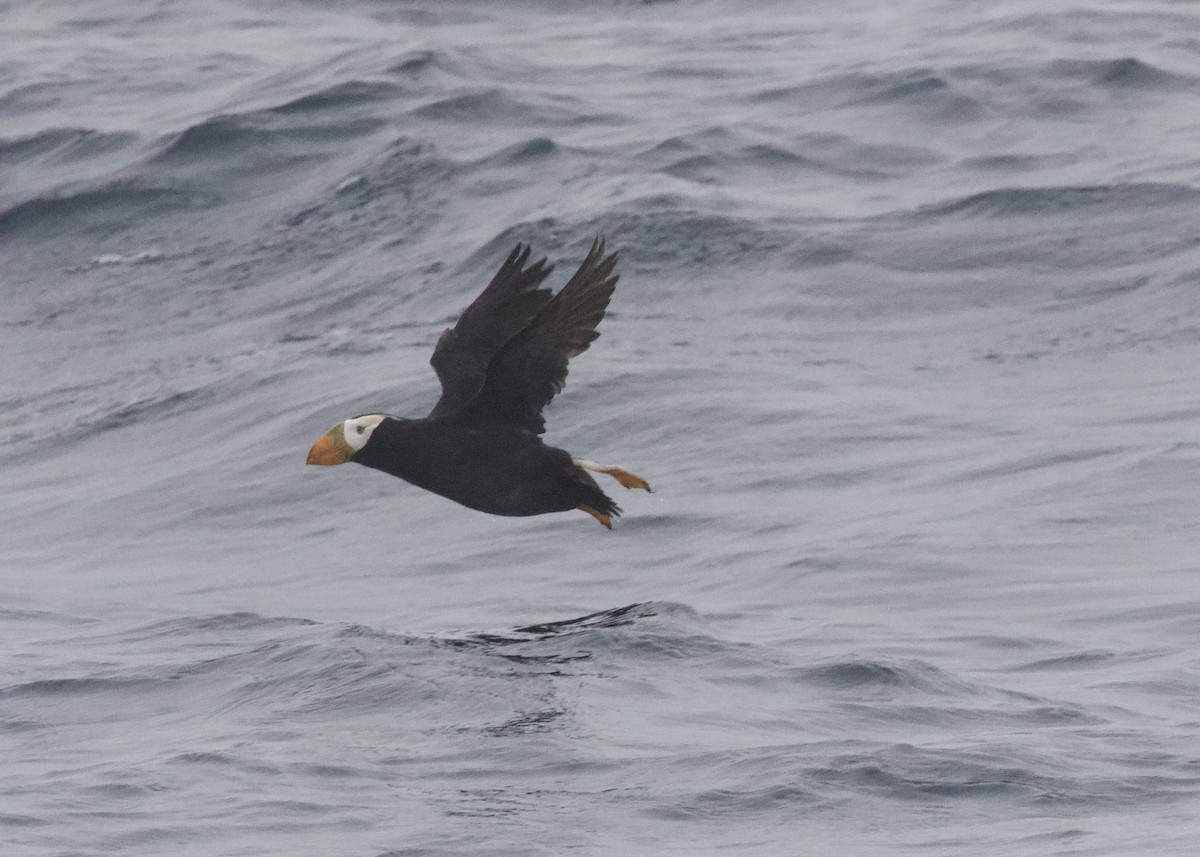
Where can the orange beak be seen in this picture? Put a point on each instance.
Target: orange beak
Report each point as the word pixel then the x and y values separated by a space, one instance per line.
pixel 326 452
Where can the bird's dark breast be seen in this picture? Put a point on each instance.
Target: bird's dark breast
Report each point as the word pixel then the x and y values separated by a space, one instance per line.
pixel 497 469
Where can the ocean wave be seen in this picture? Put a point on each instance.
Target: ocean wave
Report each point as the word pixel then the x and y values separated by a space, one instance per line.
pixel 858 675
pixel 1123 73
pixel 520 154
pixel 420 62
pixel 252 138
pixel 80 413
pixel 98 211
pixel 341 96
pixel 652 232
pixel 64 145
pixel 917 774
pixel 496 106
pixel 938 96
pixel 723 156
pixel 1039 201
pixel 86 686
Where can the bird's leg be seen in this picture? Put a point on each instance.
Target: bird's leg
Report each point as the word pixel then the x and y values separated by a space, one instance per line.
pixel 599 516
pixel 629 480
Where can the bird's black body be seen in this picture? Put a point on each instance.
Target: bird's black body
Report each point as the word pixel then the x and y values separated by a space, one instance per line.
pixel 492 467
pixel 500 365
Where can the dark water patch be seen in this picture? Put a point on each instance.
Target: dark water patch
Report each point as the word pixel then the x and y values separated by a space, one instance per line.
pixel 520 154
pixel 1057 837
pixel 415 63
pixel 16 614
pixel 18 725
pixel 31 97
pixel 1124 73
pixel 658 631
pixel 275 809
pixel 488 803
pixel 936 96
pixel 232 139
pixel 206 758
pixel 1070 663
pixel 119 791
pixel 351 93
pixel 732 802
pixel 617 617
pixel 651 630
pixel 63 688
pixel 951 717
pixel 528 723
pixel 859 675
pixel 490 105
pixel 225 762
pixel 918 85
pixel 99 212
pixel 672 147
pixel 821 93
pixel 422 65
pixel 714 138
pixel 8 819
pixel 327 772
pixel 719 155
pixel 1057 201
pixel 995 641
pixel 1061 715
pixel 813 252
pixel 728 167
pixel 1091 292
pixel 694 167
pixel 910 773
pixel 1012 162
pixel 214 138
pixel 63 145
pixel 1002 162
pixel 1184 415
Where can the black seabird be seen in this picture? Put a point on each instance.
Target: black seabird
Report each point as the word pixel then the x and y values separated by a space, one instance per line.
pixel 500 365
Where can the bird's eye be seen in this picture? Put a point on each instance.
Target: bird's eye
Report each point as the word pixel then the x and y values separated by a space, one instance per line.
pixel 361 429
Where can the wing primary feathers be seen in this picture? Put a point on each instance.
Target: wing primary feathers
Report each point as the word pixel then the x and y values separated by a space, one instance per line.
pixel 531 368
pixel 509 303
pixel 585 299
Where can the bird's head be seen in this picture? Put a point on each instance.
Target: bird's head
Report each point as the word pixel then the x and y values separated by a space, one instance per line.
pixel 341 442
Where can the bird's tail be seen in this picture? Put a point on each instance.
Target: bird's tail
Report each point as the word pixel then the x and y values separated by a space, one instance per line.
pixel 595 502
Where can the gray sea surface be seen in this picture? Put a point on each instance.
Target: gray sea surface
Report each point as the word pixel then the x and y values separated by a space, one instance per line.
pixel 906 340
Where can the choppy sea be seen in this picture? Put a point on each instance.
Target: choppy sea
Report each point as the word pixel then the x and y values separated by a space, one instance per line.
pixel 907 340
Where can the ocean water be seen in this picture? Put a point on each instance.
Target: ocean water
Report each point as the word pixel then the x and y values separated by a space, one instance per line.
pixel 906 339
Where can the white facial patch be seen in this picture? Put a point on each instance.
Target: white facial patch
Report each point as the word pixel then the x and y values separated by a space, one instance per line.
pixel 358 430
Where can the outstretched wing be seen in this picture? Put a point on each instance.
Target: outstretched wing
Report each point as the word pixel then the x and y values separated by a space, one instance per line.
pixel 507 306
pixel 532 367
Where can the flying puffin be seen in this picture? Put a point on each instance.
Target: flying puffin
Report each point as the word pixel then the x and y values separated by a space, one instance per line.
pixel 499 366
